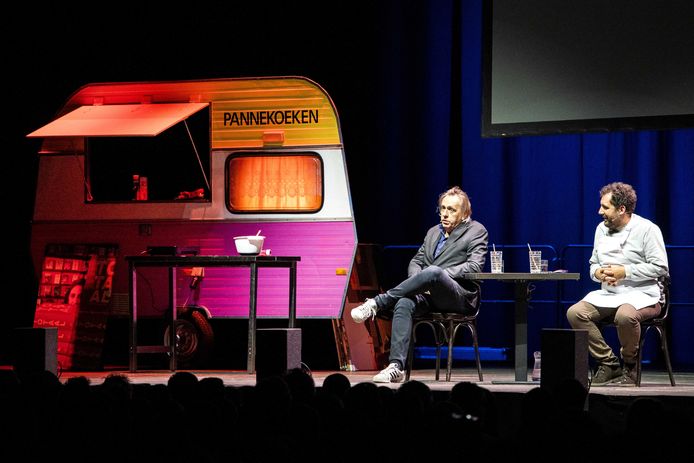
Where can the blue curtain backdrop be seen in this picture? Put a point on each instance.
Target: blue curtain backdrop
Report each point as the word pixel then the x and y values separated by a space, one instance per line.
pixel 541 190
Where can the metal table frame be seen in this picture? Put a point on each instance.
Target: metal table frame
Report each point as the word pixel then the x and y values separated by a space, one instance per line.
pixel 522 294
pixel 171 262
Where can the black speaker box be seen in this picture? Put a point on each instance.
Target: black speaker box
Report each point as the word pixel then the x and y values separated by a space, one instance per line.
pixel 35 350
pixel 564 356
pixel 278 350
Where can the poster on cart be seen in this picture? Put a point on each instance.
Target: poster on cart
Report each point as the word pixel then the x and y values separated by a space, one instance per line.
pixel 74 296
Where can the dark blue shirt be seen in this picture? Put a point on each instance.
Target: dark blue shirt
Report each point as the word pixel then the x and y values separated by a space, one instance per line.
pixel 441 242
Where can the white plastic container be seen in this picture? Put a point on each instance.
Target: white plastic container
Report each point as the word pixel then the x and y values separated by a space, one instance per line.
pixel 250 245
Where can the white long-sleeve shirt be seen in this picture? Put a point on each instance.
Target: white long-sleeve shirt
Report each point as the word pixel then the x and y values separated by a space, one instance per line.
pixel 640 248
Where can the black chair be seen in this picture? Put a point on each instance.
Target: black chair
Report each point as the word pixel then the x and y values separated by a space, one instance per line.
pixel 445 327
pixel 659 323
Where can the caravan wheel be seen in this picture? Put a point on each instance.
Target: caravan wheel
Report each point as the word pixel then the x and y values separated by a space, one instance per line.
pixel 194 339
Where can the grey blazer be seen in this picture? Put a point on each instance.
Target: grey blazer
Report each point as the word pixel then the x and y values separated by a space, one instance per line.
pixel 465 251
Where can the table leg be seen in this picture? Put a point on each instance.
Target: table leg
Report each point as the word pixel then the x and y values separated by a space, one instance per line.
pixel 292 295
pixel 172 320
pixel 253 303
pixel 132 332
pixel 521 327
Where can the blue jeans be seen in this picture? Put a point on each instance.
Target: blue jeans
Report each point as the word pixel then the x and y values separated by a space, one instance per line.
pixel 431 290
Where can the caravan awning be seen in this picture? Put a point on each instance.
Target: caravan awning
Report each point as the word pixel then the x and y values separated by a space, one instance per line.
pixel 126 120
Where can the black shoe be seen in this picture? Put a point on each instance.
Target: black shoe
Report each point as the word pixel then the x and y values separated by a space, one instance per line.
pixel 606 374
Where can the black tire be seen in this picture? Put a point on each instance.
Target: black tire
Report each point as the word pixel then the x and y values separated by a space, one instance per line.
pixel 194 339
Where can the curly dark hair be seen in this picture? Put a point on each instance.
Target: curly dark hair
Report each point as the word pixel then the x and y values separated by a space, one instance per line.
pixel 623 194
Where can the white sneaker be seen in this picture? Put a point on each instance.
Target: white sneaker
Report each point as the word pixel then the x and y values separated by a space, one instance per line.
pixel 367 310
pixel 390 374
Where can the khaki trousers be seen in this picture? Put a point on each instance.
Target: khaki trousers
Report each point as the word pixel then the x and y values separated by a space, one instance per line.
pixel 585 316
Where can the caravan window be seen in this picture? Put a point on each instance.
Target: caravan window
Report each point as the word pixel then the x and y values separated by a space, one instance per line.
pixel 169 161
pixel 277 183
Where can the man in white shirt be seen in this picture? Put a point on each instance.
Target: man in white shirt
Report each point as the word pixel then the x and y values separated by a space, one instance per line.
pixel 628 259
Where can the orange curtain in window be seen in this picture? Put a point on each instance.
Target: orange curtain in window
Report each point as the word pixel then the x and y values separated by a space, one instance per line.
pixel 275 183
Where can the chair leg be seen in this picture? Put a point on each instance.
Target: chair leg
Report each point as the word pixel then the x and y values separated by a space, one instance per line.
pixel 438 361
pixel 410 356
pixel 663 345
pixel 639 357
pixel 410 351
pixel 438 342
pixel 451 337
pixel 666 353
pixel 453 330
pixel 473 331
pixel 446 335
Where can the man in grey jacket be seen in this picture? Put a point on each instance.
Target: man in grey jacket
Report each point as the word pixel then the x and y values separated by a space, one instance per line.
pixel 455 246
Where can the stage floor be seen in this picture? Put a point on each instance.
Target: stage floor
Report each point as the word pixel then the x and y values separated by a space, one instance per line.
pixel 653 383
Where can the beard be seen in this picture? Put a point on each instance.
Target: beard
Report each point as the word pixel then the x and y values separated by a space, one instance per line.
pixel 612 227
